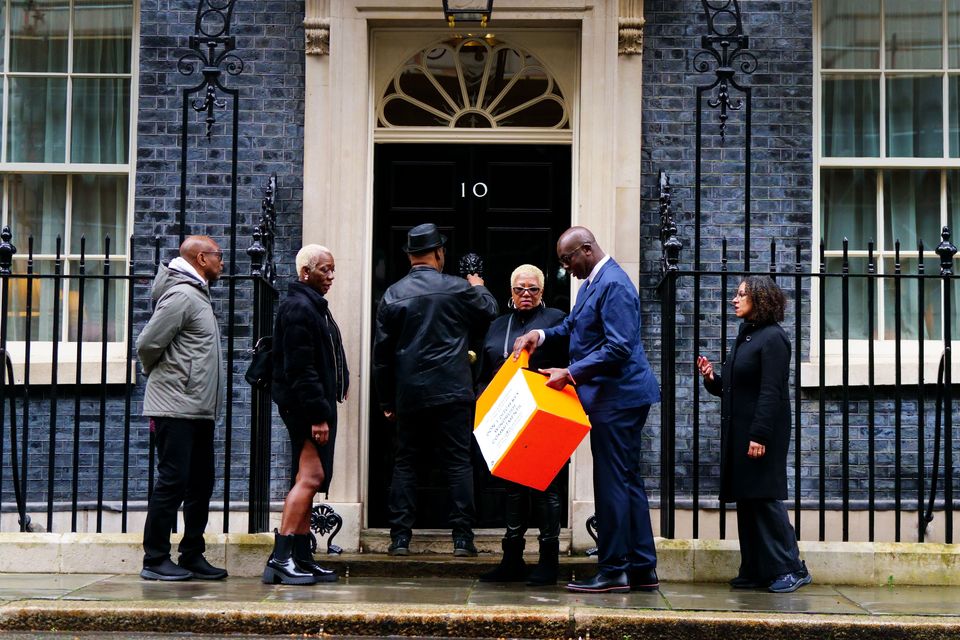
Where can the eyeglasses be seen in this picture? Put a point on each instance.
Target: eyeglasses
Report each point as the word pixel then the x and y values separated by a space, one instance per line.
pixel 566 257
pixel 519 291
pixel 219 254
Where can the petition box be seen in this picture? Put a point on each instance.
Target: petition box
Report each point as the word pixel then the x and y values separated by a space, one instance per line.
pixel 526 430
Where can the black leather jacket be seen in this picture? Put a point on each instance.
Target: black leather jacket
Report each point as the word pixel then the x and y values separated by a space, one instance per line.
pixel 424 323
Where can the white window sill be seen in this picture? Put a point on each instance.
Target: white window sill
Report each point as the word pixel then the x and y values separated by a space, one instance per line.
pixel 41 363
pixel 884 369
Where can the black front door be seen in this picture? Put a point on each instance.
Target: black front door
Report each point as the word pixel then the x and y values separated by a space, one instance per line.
pixel 507 203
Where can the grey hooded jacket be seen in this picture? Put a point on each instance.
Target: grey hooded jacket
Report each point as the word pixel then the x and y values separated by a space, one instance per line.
pixel 179 350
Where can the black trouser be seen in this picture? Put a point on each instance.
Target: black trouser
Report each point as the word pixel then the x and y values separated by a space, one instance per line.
pixel 768 544
pixel 446 430
pixel 184 475
pixel 546 509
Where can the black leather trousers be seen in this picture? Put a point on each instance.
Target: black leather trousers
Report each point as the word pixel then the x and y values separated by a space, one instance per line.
pixel 545 505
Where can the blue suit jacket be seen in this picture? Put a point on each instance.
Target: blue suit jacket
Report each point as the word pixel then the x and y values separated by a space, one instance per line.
pixel 606 355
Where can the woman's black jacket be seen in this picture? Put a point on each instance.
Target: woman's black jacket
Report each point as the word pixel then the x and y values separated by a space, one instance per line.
pixel 556 354
pixel 309 367
pixel 755 405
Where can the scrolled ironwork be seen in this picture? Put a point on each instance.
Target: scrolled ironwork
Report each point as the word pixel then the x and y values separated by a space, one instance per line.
pixel 592 532
pixel 724 52
pixel 324 520
pixel 212 48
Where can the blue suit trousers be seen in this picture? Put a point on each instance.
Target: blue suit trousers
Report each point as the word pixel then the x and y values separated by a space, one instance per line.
pixel 623 513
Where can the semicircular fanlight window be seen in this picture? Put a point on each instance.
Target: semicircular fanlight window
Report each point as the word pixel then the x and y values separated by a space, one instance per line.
pixel 473 83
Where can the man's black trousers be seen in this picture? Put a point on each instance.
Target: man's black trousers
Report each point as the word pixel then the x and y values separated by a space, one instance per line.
pixel 184 475
pixel 447 431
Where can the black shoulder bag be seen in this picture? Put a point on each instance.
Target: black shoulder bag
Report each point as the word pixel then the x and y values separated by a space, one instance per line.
pixel 260 371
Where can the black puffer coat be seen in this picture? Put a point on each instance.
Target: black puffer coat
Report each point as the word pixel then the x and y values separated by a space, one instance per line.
pixel 755 405
pixel 309 366
pixel 424 322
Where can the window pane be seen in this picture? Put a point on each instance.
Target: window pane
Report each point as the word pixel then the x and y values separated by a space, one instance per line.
pixel 848 207
pixel 851 34
pixel 914 34
pixel 914 116
pixel 38 207
pixel 93 324
pixel 37 120
pixel 102 36
pixel 953 115
pixel 833 300
pixel 41 303
pixel 101 120
pixel 851 116
pixel 911 207
pixel 953 24
pixel 99 210
pixel 38 35
pixel 911 314
pixel 953 202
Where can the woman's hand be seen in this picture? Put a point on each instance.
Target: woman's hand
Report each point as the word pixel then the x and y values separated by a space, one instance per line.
pixel 527 342
pixel 320 433
pixel 755 450
pixel 706 367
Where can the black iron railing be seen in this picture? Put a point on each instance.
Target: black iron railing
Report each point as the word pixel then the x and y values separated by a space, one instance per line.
pixel 100 456
pixel 837 462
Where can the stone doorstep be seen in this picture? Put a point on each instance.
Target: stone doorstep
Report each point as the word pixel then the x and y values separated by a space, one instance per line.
pixel 862 563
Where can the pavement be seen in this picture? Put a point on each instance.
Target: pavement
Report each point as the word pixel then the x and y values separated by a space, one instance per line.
pixel 452 607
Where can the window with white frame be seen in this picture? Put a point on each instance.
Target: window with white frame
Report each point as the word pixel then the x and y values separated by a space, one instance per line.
pixel 66 160
pixel 889 149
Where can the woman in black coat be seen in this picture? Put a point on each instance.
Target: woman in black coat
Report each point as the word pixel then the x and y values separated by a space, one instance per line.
pixel 527 312
pixel 309 378
pixel 754 438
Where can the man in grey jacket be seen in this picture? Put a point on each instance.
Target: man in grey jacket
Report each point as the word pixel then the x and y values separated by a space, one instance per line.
pixel 179 350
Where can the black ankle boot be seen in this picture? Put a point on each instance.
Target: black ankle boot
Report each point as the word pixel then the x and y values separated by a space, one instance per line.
pixel 281 567
pixel 512 568
pixel 304 559
pixel 545 573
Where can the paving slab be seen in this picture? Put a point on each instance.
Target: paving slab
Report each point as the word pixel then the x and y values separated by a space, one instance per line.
pixel 446 607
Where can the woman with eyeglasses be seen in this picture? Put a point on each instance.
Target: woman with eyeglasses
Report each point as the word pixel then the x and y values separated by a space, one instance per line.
pixel 754 392
pixel 526 313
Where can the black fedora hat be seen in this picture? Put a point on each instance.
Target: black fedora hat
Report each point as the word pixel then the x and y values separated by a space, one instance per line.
pixel 424 237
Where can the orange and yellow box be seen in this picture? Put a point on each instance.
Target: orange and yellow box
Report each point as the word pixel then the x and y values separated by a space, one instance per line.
pixel 526 430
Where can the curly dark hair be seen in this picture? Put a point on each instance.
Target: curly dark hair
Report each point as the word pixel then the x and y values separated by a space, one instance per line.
pixel 767 299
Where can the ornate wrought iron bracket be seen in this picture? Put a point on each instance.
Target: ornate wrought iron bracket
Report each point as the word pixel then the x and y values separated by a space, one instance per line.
pixel 6 251
pixel 263 261
pixel 724 51
pixel 946 250
pixel 324 520
pixel 211 49
pixel 592 532
pixel 670 244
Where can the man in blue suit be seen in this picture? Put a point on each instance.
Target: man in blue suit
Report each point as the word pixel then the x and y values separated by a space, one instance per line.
pixel 616 387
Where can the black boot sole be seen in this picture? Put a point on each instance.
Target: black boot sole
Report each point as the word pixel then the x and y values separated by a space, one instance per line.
pixel 272 576
pixel 147 574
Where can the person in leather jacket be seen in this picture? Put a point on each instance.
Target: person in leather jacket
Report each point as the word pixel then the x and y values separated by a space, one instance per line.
pixel 423 378
pixel 527 312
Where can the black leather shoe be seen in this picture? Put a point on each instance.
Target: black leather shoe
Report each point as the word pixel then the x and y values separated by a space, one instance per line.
pixel 644 580
pixel 399 546
pixel 464 548
pixel 602 583
pixel 166 571
pixel 201 569
pixel 743 582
